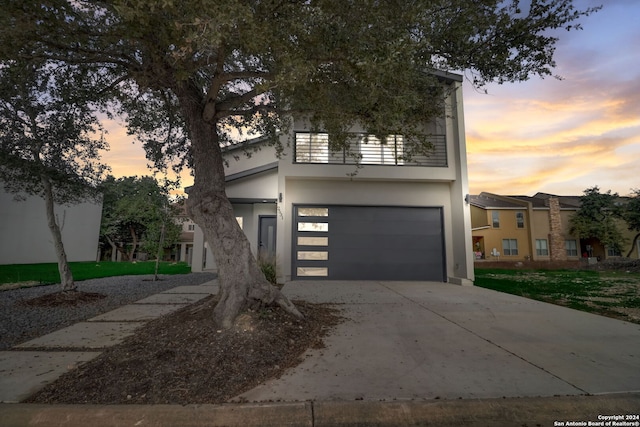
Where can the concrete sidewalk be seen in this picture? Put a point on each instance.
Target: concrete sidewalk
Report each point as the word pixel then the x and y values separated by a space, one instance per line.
pixel 29 366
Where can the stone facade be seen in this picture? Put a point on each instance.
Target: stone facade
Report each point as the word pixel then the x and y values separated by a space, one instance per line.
pixel 556 239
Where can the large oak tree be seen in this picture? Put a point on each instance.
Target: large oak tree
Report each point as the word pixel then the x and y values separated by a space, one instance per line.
pixel 190 72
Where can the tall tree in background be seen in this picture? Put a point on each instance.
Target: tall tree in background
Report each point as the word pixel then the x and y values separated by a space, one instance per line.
pixel 190 74
pixel 50 140
pixel 632 217
pixel 134 210
pixel 598 217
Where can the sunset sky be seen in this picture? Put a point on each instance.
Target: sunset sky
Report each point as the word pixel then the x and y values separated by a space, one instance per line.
pixel 554 136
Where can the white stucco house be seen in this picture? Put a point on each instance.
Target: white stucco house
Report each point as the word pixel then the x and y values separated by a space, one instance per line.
pixel 25 236
pixel 393 220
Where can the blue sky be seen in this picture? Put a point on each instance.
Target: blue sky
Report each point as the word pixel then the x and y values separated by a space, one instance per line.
pixel 547 135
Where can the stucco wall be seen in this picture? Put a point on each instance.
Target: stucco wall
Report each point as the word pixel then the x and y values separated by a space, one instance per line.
pixel 25 236
pixel 479 217
pixel 368 193
pixel 260 186
pixel 238 161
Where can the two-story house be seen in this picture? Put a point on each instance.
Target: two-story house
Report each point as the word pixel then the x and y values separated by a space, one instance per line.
pixel 533 228
pixel 395 219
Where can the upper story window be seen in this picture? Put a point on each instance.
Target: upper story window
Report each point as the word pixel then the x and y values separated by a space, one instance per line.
pixel 495 219
pixel 191 227
pixel 367 150
pixel 520 219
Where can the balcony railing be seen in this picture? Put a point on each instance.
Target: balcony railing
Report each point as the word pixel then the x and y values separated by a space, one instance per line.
pixel 366 149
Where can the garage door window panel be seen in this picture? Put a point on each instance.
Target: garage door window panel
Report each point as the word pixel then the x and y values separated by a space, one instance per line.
pixel 312 271
pixel 313 226
pixel 313 241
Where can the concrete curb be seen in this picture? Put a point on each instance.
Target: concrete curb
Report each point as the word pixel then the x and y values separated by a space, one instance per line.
pixel 541 411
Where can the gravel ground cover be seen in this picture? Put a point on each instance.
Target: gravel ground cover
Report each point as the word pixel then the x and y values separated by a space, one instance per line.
pixel 21 322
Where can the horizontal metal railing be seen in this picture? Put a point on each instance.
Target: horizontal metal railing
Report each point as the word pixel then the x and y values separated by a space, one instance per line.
pixel 367 150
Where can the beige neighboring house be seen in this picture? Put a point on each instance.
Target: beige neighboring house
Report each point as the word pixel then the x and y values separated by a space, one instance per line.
pixel 520 228
pixel 393 220
pixel 25 237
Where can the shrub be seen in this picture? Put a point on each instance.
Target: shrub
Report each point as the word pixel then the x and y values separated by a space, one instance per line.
pixel 269 268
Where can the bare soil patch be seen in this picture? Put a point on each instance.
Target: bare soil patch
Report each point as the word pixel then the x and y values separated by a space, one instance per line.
pixel 69 298
pixel 184 358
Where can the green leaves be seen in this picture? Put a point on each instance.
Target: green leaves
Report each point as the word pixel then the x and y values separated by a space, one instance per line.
pixel 134 209
pixel 599 217
pixel 250 64
pixel 49 128
pixel 632 211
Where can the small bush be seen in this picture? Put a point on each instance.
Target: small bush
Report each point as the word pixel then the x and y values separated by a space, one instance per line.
pixel 269 267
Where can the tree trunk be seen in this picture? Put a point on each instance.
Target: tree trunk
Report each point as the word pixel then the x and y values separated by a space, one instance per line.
pixel 114 249
pixel 159 252
pixel 633 245
pixel 66 278
pixel 134 237
pixel 242 283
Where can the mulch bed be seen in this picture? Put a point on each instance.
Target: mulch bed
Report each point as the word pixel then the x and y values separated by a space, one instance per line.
pixel 62 298
pixel 183 358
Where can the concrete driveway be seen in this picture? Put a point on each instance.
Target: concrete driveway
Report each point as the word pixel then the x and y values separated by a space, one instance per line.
pixel 423 340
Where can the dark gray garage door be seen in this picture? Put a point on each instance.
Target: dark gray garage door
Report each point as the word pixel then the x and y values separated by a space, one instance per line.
pixel 368 243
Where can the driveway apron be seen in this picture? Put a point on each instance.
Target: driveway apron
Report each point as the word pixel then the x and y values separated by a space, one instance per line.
pixel 425 340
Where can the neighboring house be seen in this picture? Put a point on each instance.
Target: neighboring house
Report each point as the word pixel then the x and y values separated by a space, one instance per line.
pixel 532 228
pixel 183 250
pixel 393 220
pixel 25 236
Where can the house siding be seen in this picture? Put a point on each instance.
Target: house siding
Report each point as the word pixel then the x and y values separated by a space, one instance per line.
pixel 26 238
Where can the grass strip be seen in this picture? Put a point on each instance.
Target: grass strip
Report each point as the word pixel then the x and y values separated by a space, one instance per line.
pixel 48 273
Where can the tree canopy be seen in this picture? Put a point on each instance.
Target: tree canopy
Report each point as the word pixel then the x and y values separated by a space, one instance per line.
pixel 134 210
pixel 48 128
pixel 252 62
pixel 599 217
pixel 191 75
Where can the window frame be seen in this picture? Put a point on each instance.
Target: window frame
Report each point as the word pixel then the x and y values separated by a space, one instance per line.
pixel 367 149
pixel 540 251
pixel 495 219
pixel 509 250
pixel 612 252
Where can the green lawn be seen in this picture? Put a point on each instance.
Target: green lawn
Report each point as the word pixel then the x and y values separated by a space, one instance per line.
pixel 48 273
pixel 615 294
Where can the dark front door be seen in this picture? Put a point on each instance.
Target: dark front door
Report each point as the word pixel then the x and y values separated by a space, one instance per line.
pixel 267 236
